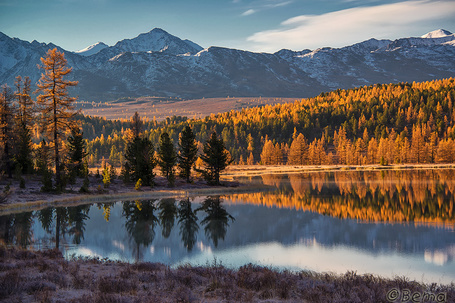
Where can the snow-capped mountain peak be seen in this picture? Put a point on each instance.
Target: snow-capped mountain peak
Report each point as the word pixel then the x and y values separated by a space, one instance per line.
pixel 160 64
pixel 439 33
pixel 157 40
pixel 92 49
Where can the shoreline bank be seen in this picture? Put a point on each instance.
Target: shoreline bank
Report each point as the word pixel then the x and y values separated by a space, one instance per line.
pixel 30 276
pixel 32 198
pixel 75 199
pixel 257 170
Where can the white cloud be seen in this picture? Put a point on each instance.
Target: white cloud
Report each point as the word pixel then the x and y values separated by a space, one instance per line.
pixel 353 25
pixel 249 12
pixel 269 4
pixel 279 4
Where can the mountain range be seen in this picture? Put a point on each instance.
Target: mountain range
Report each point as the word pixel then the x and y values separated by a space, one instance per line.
pixel 160 64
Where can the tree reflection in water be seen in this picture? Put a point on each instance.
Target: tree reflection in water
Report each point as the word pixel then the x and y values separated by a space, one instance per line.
pixel 16 229
pixel 141 219
pixel 167 214
pixel 6 229
pixel 188 224
pixel 419 196
pixel 45 216
pixel 217 220
pixel 61 220
pixel 76 221
pixel 140 224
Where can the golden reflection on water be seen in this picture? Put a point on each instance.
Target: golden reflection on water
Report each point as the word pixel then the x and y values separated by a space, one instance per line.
pixel 419 196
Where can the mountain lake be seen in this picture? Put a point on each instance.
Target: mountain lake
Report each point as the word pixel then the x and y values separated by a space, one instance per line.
pixel 384 222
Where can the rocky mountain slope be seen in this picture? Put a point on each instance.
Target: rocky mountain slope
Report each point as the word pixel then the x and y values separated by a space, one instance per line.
pixel 159 64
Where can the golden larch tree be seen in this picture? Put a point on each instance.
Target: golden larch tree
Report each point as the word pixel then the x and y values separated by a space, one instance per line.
pixel 56 105
pixel 268 153
pixel 250 159
pixel 298 153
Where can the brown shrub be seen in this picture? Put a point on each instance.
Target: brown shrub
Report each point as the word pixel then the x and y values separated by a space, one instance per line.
pixel 100 297
pixel 52 254
pixel 147 266
pixel 256 278
pixel 115 285
pixel 56 277
pixel 38 286
pixel 183 294
pixel 11 283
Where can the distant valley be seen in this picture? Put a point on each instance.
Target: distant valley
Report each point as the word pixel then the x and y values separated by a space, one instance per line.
pixel 160 108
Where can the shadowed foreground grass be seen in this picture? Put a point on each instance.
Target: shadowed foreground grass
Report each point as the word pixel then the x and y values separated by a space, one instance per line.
pixel 45 276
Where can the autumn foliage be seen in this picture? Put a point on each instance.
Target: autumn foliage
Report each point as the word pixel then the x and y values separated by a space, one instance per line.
pixel 378 124
pixel 419 196
pixel 54 101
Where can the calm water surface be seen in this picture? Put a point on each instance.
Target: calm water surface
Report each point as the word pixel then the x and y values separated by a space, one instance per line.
pixel 388 223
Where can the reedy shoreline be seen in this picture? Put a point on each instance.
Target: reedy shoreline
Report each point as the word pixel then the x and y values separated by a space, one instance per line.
pixel 45 276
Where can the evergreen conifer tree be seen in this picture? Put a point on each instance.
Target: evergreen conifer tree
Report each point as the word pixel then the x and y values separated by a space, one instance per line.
pixel 187 153
pixel 24 122
pixel 167 158
pixel 42 163
pixel 139 155
pixel 6 126
pixel 76 147
pixel 216 159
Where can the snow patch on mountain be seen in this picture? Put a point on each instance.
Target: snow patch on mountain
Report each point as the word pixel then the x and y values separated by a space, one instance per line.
pixel 92 49
pixel 439 33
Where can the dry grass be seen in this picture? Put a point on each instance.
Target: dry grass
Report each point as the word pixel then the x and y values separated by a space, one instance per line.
pixel 44 276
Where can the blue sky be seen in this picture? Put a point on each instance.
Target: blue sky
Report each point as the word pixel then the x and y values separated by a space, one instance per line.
pixel 256 25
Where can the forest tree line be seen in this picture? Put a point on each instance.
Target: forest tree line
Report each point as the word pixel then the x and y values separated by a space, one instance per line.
pixel 378 124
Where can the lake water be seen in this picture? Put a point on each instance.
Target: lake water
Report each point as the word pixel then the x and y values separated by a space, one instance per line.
pixel 390 223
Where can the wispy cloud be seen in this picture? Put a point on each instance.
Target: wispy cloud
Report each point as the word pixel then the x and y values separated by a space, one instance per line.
pixel 348 26
pixel 264 5
pixel 248 12
pixel 278 4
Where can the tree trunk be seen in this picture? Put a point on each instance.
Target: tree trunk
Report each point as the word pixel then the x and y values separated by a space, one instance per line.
pixel 57 159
